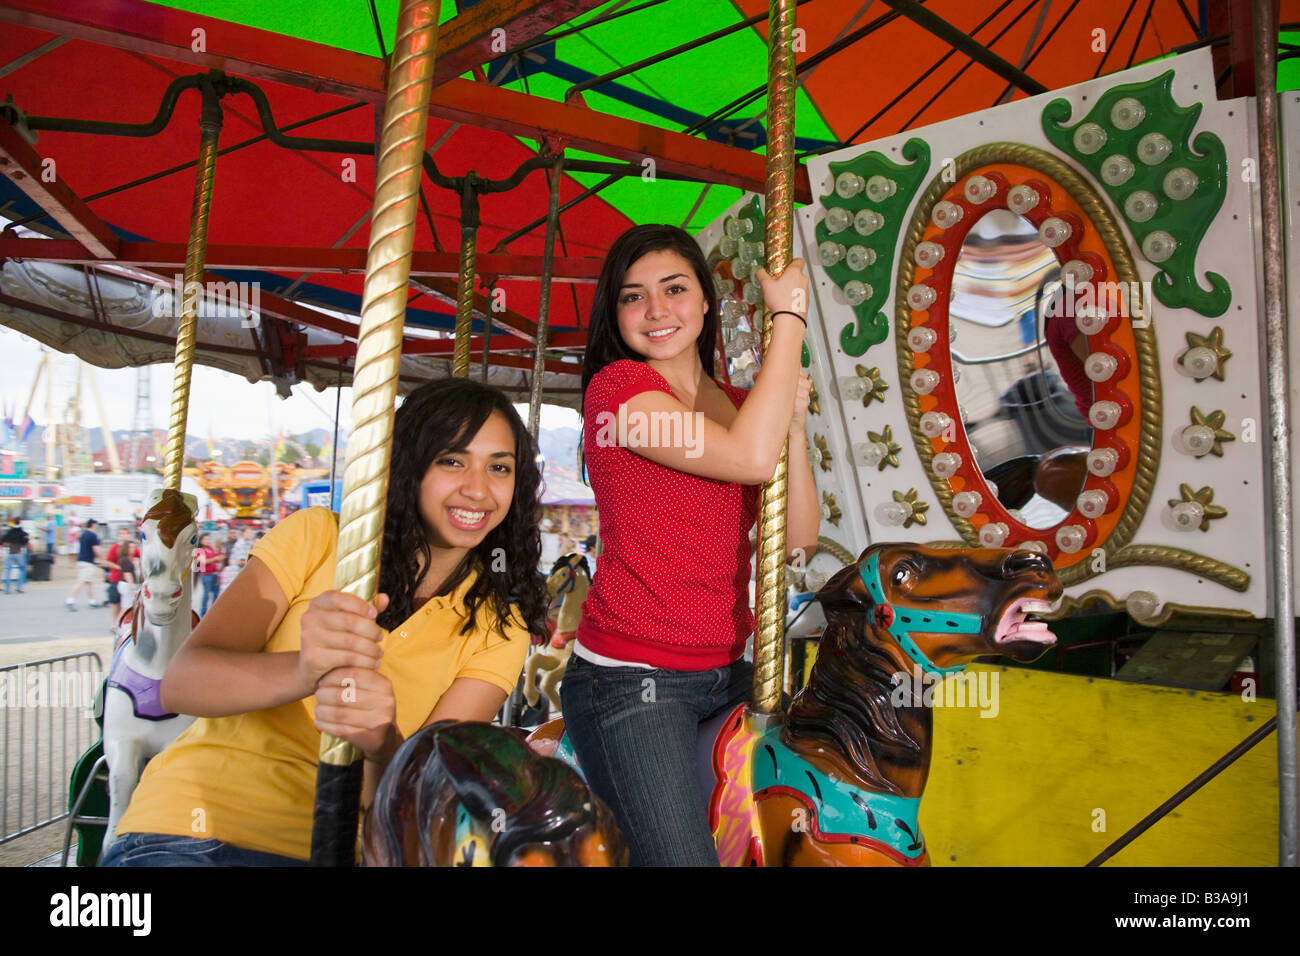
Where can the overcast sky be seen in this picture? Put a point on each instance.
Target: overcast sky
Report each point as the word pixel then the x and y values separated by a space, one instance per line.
pixel 222 405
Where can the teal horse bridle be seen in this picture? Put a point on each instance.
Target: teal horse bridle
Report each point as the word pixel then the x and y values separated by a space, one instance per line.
pixel 902 622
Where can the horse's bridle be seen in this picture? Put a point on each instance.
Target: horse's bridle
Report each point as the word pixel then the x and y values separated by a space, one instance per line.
pixel 901 623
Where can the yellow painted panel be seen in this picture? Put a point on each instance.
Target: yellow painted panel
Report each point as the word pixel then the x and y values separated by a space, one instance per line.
pixel 1023 788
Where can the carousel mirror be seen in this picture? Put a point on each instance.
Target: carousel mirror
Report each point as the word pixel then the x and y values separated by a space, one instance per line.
pixel 1027 429
pixel 1026 353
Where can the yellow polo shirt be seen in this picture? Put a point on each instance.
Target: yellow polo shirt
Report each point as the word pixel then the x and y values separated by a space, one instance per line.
pixel 250 780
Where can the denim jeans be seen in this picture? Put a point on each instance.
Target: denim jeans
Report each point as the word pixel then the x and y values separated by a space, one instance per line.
pixel 209 592
pixel 634 733
pixel 19 562
pixel 161 849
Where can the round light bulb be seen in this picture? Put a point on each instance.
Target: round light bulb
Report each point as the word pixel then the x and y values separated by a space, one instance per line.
pixel 952 334
pixel 1093 502
pixel 867 221
pixel 934 424
pixel 1016 515
pixel 1154 148
pixel 1159 246
pixel 752 293
pixel 946 214
pixel 1102 462
pixel 816 580
pixel 1022 199
pixel 1089 138
pixel 1187 515
pixel 880 188
pixel 830 253
pixel 1117 170
pixel 1127 113
pixel 859 258
pixel 1180 183
pixel 992 486
pixel 1141 205
pixel 870 454
pixel 993 534
pixel 1100 366
pixel 921 297
pixel 751 250
pixel 1076 272
pixel 1200 362
pixel 921 339
pixel 721 285
pixel 1105 415
pixel 1198 440
pixel 728 247
pixel 1071 538
pixel 966 503
pixel 857 292
pixel 1090 320
pixel 894 512
pixel 738 228
pixel 927 254
pixel 1054 231
pixel 946 464
pixel 1035 546
pixel 837 219
pixel 848 185
pixel 732 313
pixel 1142 605
pixel 925 380
pixel 852 388
pixel 979 190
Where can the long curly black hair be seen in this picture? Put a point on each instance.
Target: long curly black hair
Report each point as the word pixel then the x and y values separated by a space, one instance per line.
pixel 445 416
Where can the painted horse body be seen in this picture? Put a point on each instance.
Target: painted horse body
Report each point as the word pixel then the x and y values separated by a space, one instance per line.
pixel 570 581
pixel 136 726
pixel 838 781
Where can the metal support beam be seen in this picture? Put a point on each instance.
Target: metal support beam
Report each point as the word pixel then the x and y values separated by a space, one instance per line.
pixel 169 255
pixel 27 170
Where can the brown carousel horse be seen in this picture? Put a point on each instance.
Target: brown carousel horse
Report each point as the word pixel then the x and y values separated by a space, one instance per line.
pixel 839 781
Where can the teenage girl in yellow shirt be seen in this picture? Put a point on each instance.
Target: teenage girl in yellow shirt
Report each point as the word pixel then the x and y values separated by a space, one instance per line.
pixel 282 657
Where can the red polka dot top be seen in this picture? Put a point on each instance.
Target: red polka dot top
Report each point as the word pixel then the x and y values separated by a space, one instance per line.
pixel 671 587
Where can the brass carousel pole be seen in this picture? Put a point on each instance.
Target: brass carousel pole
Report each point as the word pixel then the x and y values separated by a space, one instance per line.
pixel 769 637
pixel 544 299
pixel 374 387
pixel 191 296
pixel 469 220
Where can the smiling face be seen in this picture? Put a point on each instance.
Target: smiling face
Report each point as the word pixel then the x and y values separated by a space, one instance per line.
pixel 661 306
pixel 467 491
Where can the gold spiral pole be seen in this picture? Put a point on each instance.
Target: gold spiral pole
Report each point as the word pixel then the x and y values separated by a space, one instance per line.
pixel 191 295
pixel 374 385
pixel 769 636
pixel 469 219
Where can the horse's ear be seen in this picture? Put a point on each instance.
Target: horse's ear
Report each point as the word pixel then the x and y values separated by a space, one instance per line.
pixel 191 502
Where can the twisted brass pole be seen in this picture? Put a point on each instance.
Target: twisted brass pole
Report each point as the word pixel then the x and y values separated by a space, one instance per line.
pixel 374 386
pixel 769 637
pixel 544 299
pixel 191 294
pixel 469 219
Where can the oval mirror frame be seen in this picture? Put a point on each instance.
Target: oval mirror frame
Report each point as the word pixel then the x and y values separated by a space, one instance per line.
pixel 1131 394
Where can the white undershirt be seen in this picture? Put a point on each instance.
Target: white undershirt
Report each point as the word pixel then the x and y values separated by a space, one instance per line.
pixel 600 660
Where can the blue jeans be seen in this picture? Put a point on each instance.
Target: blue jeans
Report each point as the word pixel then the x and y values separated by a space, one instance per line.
pixel 209 592
pixel 160 849
pixel 18 561
pixel 634 733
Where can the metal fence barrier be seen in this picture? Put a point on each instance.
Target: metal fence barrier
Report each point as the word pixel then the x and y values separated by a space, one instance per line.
pixel 47 708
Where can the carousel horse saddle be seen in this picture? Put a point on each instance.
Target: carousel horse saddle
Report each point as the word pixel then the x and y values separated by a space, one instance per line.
pixel 146 701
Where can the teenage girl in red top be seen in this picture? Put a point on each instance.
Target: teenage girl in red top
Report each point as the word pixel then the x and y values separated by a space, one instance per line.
pixel 675 460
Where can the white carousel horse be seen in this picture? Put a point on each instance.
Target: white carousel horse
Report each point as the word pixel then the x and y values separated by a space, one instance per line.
pixel 136 727
pixel 570 580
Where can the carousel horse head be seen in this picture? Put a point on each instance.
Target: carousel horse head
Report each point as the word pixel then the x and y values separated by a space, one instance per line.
pixel 459 793
pixel 168 534
pixel 942 607
pixel 569 572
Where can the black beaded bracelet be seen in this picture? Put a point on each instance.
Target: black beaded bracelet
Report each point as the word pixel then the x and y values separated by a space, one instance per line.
pixel 795 314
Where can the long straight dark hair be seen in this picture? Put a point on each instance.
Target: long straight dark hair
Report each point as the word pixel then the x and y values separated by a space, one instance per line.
pixel 604 342
pixel 437 418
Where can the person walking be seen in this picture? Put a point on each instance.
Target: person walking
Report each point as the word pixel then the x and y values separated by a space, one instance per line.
pixel 206 563
pixel 89 567
pixel 16 546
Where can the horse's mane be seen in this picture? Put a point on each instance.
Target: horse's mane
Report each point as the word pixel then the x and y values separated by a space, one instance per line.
pixel 172 514
pixel 846 703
